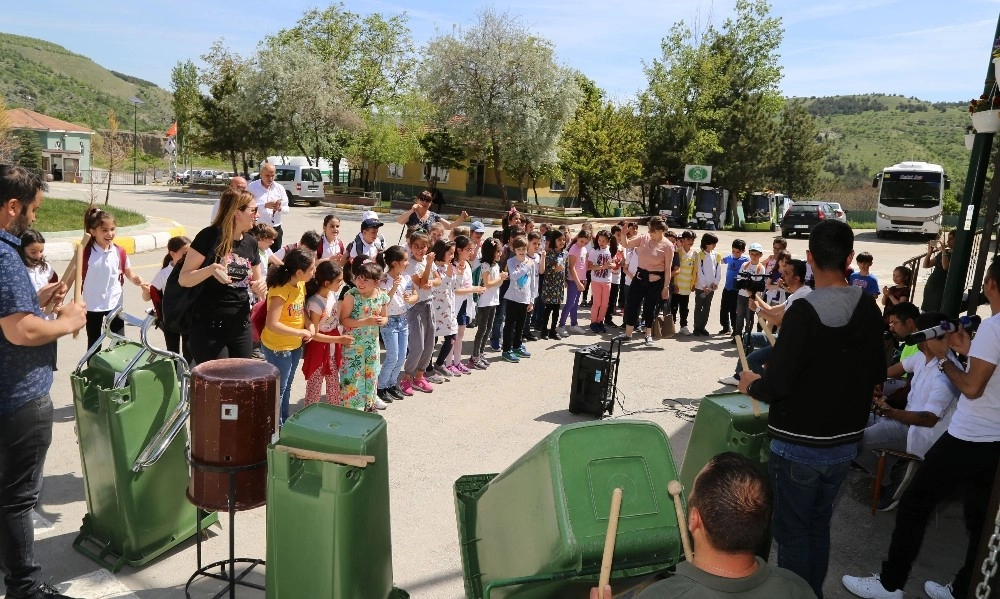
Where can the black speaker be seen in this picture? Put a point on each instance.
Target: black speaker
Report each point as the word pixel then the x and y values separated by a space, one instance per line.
pixel 595 375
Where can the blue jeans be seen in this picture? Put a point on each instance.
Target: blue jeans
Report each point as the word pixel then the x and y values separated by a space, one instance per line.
pixel 286 362
pixel 25 435
pixel 395 335
pixel 803 507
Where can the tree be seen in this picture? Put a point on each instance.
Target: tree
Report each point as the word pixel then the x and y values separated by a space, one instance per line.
pixel 29 150
pixel 441 151
pixel 385 138
pixel 8 140
pixel 114 151
pixel 186 102
pixel 800 156
pixel 499 86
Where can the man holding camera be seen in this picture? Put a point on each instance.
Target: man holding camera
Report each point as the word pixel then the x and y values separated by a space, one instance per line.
pixel 817 414
pixel 750 280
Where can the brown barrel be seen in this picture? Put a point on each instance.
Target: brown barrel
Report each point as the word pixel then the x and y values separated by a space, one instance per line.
pixel 233 416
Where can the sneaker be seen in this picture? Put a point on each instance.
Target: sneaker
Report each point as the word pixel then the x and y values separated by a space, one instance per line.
pixel 576 330
pixel 477 363
pixel 726 331
pixel 603 329
pixel 434 377
pixel 522 352
pixel 379 404
pixel 509 356
pixel 732 381
pixel 257 354
pixel 595 328
pixel 44 591
pixel 494 347
pixel 649 341
pixel 684 331
pixel 406 388
pixel 563 332
pixel 462 368
pixel 870 588
pixel 454 371
pixel 383 395
pixel 529 336
pixel 397 393
pixel 423 386
pixel 444 372
pixel 938 591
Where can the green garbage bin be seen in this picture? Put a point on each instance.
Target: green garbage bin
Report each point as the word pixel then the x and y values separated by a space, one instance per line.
pixel 618 211
pixel 537 530
pixel 328 531
pixel 726 422
pixel 132 517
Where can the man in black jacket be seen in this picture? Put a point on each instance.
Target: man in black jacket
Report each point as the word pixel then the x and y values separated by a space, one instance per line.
pixel 819 383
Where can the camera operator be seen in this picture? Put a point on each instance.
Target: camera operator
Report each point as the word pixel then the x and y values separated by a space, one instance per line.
pixel 965 456
pixel 748 284
pixel 819 384
pixel 758 348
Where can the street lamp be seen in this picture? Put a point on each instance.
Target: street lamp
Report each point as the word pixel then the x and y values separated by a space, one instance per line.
pixel 135 139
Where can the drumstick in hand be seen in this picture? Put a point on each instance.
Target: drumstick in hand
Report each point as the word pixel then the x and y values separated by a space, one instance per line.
pixel 674 487
pixel 609 543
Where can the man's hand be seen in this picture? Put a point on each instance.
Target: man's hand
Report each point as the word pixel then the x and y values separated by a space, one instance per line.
pixel 52 294
pixel 959 341
pixel 595 593
pixel 73 315
pixel 747 377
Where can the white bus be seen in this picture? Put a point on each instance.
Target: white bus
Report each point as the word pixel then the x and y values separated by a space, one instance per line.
pixel 910 198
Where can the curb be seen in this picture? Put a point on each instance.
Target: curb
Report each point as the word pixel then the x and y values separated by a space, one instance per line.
pixel 133 244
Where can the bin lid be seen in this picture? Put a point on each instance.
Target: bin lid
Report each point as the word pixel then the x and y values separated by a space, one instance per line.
pixel 323 427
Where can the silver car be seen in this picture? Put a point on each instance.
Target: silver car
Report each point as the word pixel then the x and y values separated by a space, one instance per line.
pixel 840 212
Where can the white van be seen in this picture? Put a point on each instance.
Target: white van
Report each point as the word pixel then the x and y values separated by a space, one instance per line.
pixel 301 183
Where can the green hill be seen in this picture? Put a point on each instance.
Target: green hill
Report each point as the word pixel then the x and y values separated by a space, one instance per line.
pixel 47 78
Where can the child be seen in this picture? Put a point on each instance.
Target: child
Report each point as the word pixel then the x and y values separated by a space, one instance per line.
pixel 510 233
pixel 320 362
pixel 618 259
pixel 445 316
pixel 733 263
pixel 599 263
pixel 864 278
pixel 105 268
pixel 774 286
pixel 436 232
pixel 900 290
pixel 576 274
pixel 536 253
pixel 744 315
pixel 177 247
pixel 309 240
pixel 419 318
pixel 32 250
pixel 399 287
pixel 490 279
pixel 554 285
pixel 584 302
pixel 331 247
pixel 286 328
pixel 265 235
pixel 520 295
pixel 684 280
pixel 367 244
pixel 707 277
pixel 362 311
pixel 464 290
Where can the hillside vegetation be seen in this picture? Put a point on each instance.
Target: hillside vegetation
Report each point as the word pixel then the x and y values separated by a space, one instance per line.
pixel 47 78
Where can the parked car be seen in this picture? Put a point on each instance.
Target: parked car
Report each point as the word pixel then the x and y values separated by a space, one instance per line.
pixel 838 211
pixel 183 176
pixel 301 183
pixel 803 216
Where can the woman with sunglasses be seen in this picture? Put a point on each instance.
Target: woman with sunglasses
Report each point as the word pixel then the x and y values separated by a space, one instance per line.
pixel 420 218
pixel 224 259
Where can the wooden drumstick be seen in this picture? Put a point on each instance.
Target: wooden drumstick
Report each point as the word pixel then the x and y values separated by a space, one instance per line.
pixel 78 274
pixel 746 368
pixel 674 487
pixel 609 543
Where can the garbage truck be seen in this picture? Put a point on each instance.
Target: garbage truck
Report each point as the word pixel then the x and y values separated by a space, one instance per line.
pixel 710 205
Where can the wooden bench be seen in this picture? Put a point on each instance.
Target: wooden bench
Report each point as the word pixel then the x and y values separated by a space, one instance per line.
pixel 351 191
pixel 372 195
pixel 544 210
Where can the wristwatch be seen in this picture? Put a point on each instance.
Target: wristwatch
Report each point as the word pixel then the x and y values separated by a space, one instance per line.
pixel 941 363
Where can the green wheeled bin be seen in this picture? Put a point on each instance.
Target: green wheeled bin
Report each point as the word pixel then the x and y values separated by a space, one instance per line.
pixel 726 422
pixel 122 396
pixel 328 532
pixel 537 530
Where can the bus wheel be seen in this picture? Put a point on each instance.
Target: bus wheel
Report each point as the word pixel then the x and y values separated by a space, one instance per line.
pixel 881 234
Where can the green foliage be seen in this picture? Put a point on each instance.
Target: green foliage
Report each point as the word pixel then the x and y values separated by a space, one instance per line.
pixel 800 155
pixel 440 151
pixel 56 214
pixel 47 78
pixel 951 204
pixel 29 150
pixel 845 105
pixel 186 103
pixel 131 79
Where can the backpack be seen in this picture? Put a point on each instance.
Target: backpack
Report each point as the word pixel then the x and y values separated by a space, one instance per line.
pixel 177 303
pixel 323 244
pixel 258 319
pixel 122 257
pixel 477 276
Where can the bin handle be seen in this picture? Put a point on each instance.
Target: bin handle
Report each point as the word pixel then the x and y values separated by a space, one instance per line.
pixel 358 461
pixel 177 419
pixel 106 333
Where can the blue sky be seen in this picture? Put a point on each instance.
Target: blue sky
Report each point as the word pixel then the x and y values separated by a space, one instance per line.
pixel 932 49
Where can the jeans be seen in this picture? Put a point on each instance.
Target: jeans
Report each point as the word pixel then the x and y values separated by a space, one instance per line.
pixel 25 435
pixel 572 304
pixel 727 313
pixel 514 326
pixel 395 336
pixel 758 351
pixel 951 463
pixel 803 507
pixel 744 316
pixel 286 362
pixel 702 308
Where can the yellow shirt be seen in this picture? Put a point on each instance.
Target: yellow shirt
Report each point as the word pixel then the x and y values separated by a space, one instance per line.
pixel 292 315
pixel 685 277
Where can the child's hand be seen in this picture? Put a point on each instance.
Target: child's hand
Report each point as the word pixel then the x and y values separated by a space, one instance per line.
pixel 504 276
pixel 346 340
pixel 398 281
pixel 479 289
pixel 579 287
pixel 430 258
pixel 137 280
pixel 306 335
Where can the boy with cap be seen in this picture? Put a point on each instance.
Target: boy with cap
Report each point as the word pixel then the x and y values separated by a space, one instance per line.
pixel 368 242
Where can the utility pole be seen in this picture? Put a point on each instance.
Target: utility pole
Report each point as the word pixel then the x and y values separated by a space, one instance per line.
pixel 135 139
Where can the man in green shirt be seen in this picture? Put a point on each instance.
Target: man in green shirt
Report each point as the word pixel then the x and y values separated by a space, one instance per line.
pixel 729 514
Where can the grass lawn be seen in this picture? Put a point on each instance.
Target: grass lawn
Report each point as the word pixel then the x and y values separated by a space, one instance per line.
pixel 57 214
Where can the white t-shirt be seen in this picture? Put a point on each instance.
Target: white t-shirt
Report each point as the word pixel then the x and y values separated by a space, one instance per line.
pixel 415 270
pixel 265 195
pixel 598 257
pixel 327 307
pixel 41 275
pixel 978 420
pixel 397 305
pixel 160 280
pixel 491 297
pixel 101 290
pixel 631 265
pixel 930 391
pixel 799 293
pixel 330 249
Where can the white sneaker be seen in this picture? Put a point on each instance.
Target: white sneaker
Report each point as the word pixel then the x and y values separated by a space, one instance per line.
pixel 938 591
pixel 732 381
pixel 577 330
pixel 649 341
pixel 870 588
pixel 563 332
pixel 684 331
pixel 379 404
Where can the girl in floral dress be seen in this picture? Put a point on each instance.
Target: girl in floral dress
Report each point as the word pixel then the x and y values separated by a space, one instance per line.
pixel 362 311
pixel 443 305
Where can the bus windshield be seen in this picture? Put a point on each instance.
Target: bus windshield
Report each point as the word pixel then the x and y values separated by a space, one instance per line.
pixel 708 201
pixel 911 190
pixel 757 207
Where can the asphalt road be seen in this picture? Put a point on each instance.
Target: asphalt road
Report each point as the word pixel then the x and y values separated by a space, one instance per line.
pixel 474 424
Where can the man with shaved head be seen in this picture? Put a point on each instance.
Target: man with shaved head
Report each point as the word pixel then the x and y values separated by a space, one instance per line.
pixel 272 201
pixel 239 184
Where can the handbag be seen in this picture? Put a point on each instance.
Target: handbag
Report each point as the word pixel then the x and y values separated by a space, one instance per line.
pixel 178 302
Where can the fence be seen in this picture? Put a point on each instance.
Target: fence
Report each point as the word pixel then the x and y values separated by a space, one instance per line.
pixel 100 177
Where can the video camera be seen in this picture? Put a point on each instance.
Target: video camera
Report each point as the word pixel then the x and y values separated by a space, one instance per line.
pixel 969 323
pixel 751 282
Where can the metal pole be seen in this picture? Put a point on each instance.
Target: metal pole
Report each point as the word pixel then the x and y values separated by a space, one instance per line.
pixel 968 217
pixel 135 143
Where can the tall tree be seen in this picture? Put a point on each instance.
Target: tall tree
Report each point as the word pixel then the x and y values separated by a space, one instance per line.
pixel 800 152
pixel 29 150
pixel 440 151
pixel 500 85
pixel 8 140
pixel 186 102
pixel 114 149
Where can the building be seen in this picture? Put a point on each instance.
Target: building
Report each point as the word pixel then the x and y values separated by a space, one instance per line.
pixel 66 147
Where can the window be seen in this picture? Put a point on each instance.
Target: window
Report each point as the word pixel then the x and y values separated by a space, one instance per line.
pixel 395 171
pixel 555 185
pixel 440 173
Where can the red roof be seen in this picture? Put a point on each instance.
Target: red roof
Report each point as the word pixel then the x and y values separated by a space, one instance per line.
pixel 22 118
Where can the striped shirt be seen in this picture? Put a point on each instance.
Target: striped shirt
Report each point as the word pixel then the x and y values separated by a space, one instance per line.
pixel 684 280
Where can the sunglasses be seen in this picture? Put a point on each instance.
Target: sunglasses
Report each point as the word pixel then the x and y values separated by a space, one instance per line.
pixel 424 201
pixel 252 209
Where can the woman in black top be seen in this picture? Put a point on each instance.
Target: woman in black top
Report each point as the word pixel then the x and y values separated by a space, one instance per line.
pixel 420 218
pixel 221 324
